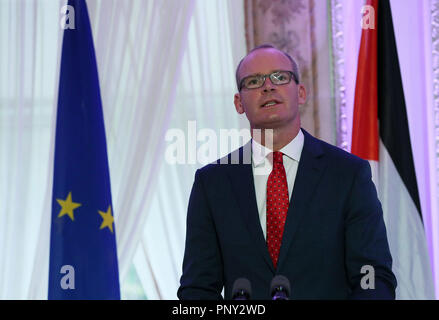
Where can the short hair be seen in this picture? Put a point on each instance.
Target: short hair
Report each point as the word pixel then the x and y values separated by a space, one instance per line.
pixel 294 64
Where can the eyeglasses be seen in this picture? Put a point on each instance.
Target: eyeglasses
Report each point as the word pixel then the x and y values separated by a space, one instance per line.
pixel 277 78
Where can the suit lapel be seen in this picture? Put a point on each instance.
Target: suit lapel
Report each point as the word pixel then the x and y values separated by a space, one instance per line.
pixel 241 177
pixel 309 172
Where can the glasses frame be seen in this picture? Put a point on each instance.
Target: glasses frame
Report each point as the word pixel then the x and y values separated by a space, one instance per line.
pixel 269 75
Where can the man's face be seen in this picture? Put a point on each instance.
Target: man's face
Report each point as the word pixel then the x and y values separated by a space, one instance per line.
pixel 287 97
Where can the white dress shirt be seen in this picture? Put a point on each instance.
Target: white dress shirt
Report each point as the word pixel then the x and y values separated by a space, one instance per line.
pixel 261 159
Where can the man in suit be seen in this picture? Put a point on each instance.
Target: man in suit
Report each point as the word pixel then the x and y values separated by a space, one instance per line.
pixel 314 217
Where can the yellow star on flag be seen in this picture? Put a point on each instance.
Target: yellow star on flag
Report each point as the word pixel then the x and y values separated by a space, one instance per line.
pixel 107 219
pixel 67 206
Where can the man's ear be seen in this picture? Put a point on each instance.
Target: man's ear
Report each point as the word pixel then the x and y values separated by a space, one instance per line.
pixel 238 104
pixel 302 93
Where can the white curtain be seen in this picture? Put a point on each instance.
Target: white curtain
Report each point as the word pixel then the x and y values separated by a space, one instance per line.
pixel 205 95
pixel 29 54
pixel 160 65
pixel 139 47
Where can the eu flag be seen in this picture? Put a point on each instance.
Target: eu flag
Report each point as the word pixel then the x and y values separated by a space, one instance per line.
pixel 83 256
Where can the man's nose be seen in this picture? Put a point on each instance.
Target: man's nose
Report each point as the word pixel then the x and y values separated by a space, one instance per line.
pixel 268 85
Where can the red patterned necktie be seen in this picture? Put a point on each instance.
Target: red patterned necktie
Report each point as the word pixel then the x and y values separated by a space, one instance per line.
pixel 277 206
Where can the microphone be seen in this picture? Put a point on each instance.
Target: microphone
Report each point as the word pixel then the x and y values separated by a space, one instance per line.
pixel 280 288
pixel 242 289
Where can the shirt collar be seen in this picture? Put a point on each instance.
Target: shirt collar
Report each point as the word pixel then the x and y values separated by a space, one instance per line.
pixel 292 150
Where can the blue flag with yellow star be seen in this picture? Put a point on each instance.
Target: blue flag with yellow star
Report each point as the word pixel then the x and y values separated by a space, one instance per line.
pixel 83 256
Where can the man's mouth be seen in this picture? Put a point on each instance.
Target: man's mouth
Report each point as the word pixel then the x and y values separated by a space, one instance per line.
pixel 270 103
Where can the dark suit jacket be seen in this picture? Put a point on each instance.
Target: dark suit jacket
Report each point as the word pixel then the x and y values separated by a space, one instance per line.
pixel 334 226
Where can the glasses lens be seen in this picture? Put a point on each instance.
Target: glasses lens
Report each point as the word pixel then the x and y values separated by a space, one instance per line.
pixel 252 82
pixel 280 77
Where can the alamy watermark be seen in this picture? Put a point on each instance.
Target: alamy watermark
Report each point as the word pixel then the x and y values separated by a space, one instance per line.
pixel 68 280
pixel 204 146
pixel 368 280
pixel 67 17
pixel 368 18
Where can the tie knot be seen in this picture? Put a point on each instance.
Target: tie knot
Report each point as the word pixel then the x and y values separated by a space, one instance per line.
pixel 277 157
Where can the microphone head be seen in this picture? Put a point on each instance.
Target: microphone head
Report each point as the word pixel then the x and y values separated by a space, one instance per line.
pixel 280 288
pixel 242 289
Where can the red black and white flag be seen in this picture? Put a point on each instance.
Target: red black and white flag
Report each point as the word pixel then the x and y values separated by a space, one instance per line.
pixel 381 135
